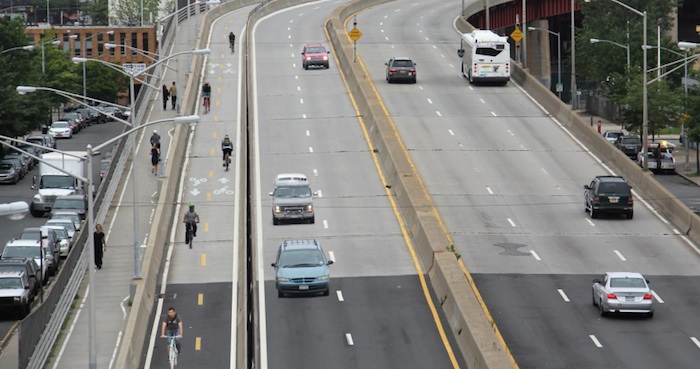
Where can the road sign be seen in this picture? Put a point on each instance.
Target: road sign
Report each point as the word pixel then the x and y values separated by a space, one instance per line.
pixel 517 35
pixel 560 87
pixel 355 34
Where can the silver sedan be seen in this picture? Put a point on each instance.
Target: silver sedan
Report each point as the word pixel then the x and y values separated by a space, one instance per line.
pixel 622 292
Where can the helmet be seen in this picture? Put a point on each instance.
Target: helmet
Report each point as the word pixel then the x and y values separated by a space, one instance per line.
pixel 226 136
pixel 191 205
pixel 154 131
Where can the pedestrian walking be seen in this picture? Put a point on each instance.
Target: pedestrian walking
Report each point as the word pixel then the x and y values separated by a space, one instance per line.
pixel 166 95
pixel 155 138
pixel 155 158
pixel 100 245
pixel 173 94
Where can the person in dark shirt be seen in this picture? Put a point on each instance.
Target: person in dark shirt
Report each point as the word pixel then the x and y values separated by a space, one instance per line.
pixel 172 326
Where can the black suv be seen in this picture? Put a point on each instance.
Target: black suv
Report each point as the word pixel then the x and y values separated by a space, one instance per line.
pixel 608 194
pixel 15 293
pixel 630 145
pixel 28 267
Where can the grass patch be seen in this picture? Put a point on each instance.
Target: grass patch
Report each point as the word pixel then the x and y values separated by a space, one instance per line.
pixel 669 131
pixel 692 174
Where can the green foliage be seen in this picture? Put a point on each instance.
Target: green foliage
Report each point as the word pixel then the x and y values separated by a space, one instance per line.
pixel 128 12
pixel 100 12
pixel 103 82
pixel 665 105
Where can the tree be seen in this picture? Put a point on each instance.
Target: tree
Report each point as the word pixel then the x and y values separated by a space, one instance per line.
pixel 665 105
pixel 104 83
pixel 128 12
pixel 99 11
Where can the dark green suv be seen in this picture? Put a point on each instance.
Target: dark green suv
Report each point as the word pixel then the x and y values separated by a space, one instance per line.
pixel 609 194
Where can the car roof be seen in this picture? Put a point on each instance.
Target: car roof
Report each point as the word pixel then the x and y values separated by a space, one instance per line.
pixel 66 212
pixel 300 245
pixel 10 274
pixel 15 261
pixel 60 121
pixel 291 179
pixel 402 58
pixel 313 45
pixel 625 275
pixel 11 243
pixel 610 179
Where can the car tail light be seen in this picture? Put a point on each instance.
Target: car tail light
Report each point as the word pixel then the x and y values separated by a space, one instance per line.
pixel 596 200
pixel 507 67
pixel 612 296
pixel 647 296
pixel 412 70
pixel 392 70
pixel 475 69
pixel 630 201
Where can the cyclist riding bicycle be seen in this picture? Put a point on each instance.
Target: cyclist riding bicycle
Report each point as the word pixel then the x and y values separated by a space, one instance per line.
pixel 226 148
pixel 206 90
pixel 172 326
pixel 231 40
pixel 191 217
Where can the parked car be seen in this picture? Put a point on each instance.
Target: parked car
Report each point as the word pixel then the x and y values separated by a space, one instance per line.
pixel 8 173
pixel 659 158
pixel 630 145
pixel 400 69
pixel 33 150
pixel 61 129
pixel 82 121
pixel 68 224
pixel 68 214
pixel 611 136
pixel 50 140
pixel 623 292
pixel 76 203
pixel 314 55
pixel 111 112
pixel 29 267
pixel 27 249
pixel 64 242
pixel 17 163
pixel 104 167
pixel 40 140
pixel 301 267
pixel 608 194
pixel 89 115
pixel 50 241
pixel 25 160
pixel 15 293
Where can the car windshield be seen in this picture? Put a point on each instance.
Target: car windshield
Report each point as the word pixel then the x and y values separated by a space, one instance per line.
pixel 21 252
pixel 627 283
pixel 31 235
pixel 6 167
pixel 614 134
pixel 65 182
pixel 60 125
pixel 64 223
pixel 60 232
pixel 631 141
pixel 6 283
pixel 300 259
pixel 69 204
pixel 402 64
pixel 613 187
pixel 38 141
pixel 287 192
pixel 12 268
pixel 315 50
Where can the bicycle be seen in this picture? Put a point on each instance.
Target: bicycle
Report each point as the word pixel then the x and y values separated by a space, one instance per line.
pixel 231 45
pixel 207 100
pixel 227 160
pixel 189 233
pixel 172 351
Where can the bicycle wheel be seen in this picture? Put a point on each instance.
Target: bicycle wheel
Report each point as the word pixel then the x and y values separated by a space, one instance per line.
pixel 172 355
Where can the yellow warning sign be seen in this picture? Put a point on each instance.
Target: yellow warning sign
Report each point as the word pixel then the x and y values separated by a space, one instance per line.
pixel 355 34
pixel 517 35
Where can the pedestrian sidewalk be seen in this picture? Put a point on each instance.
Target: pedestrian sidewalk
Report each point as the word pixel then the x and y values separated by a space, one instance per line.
pixel 113 281
pixel 686 159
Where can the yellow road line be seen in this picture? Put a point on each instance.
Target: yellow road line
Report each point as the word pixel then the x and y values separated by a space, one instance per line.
pixel 208 196
pixel 211 152
pixel 206 227
pixel 213 135
pixel 203 260
pixel 200 299
pixel 216 117
pixel 198 343
pixel 211 172
pixel 404 231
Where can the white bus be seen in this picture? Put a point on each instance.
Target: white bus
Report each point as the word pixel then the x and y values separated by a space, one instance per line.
pixel 485 57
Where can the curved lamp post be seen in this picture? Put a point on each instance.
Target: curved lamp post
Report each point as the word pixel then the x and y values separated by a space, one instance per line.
pixel 626 47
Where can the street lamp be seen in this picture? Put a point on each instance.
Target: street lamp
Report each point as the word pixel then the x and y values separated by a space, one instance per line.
pixel 626 47
pixel 134 123
pixel 558 54
pixel 574 105
pixel 43 53
pixel 92 311
pixel 84 68
pixel 27 47
pixel 645 93
pixel 14 210
pixel 112 66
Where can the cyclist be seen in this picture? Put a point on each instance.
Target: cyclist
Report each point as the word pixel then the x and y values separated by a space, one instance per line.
pixel 172 326
pixel 231 40
pixel 226 148
pixel 191 217
pixel 206 92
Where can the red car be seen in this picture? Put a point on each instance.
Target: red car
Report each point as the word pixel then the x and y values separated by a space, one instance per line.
pixel 314 54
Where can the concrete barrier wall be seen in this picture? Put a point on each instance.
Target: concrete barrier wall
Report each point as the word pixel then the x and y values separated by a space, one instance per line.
pixel 477 340
pixel 9 350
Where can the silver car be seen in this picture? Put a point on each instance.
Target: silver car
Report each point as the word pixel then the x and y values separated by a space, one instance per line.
pixel 64 214
pixel 623 292
pixel 66 223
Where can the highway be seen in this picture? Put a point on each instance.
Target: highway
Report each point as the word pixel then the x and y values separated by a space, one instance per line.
pixel 376 315
pixel 507 182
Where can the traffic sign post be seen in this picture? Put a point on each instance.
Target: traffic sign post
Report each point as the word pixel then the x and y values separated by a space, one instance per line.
pixel 355 35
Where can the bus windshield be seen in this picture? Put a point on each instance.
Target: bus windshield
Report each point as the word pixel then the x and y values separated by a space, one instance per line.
pixel 489 51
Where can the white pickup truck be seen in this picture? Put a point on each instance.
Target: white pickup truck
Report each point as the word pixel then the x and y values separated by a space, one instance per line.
pixel 659 158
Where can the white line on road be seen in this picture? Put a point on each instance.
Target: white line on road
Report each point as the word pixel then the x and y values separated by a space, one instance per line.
pixel 545 171
pixel 311 149
pixel 116 349
pixel 511 222
pixel 308 133
pixel 303 116
pixel 695 341
pixel 434 47
pixel 620 255
pixel 298 88
pixel 340 295
pixel 452 133
pixel 122 306
pixel 348 337
pixel 482 101
pixel 489 190
pixel 320 194
pixel 656 297
pixel 331 255
pixel 534 255
pixel 325 224
pixel 301 101
pixel 451 66
pixel 511 132
pixel 494 114
pixel 595 341
pixel 438 113
pixel 430 101
pixel 315 172
pixel 442 55
pixel 590 222
pixel 72 326
pixel 563 295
